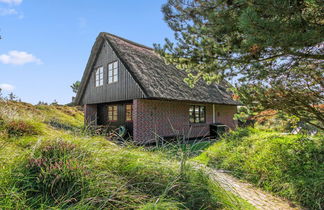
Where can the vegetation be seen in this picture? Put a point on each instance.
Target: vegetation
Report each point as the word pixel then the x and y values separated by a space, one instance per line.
pixel 272 48
pixel 288 165
pixel 75 86
pixel 50 161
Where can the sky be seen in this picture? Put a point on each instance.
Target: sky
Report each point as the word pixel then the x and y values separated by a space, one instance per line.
pixel 45 44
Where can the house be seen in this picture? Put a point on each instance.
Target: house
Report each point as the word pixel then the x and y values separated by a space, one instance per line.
pixel 126 83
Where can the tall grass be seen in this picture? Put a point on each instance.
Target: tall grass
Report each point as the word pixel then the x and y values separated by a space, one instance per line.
pixel 62 174
pixel 289 165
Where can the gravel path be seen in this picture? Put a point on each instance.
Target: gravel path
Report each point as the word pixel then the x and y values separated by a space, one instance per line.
pixel 253 195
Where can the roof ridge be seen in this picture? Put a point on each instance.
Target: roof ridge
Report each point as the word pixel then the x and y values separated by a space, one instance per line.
pixel 127 40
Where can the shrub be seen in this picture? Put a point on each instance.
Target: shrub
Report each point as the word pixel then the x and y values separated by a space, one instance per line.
pixel 53 175
pixel 21 128
pixel 61 125
pixel 288 165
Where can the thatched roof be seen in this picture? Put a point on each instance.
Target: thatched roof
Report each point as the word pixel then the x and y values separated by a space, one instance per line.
pixel 156 78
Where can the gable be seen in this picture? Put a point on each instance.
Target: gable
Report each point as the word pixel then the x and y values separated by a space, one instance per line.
pixel 125 89
pixel 162 81
pixel 146 75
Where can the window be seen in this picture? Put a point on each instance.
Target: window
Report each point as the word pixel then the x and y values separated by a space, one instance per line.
pixel 112 113
pixel 197 114
pixel 113 72
pixel 129 112
pixel 99 76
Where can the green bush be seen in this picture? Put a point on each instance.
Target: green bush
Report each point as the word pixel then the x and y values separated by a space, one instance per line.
pixel 61 125
pixel 54 173
pixel 19 128
pixel 289 165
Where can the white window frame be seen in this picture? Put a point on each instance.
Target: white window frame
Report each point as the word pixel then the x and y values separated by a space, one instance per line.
pixel 99 77
pixel 113 72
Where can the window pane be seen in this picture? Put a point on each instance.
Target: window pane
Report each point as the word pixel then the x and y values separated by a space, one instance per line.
pixel 128 112
pixel 113 72
pixel 197 115
pixel 116 77
pixel 112 113
pixel 99 76
pixel 202 114
pixel 191 114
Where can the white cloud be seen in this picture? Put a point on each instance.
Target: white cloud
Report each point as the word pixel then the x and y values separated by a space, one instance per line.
pixel 19 58
pixel 5 11
pixel 15 2
pixel 7 87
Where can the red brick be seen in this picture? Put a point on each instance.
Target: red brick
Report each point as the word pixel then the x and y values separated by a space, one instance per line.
pixel 160 118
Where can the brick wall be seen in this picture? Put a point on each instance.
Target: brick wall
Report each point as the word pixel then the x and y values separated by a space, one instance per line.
pixel 224 114
pixel 156 118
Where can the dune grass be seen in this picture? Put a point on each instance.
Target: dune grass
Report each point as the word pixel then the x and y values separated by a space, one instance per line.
pixel 52 162
pixel 288 165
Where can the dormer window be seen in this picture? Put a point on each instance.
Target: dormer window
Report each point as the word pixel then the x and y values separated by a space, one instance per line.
pixel 99 76
pixel 113 72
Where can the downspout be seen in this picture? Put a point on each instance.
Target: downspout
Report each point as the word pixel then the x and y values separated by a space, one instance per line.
pixel 214 114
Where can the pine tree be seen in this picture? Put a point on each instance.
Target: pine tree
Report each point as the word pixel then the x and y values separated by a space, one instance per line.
pixel 75 87
pixel 272 49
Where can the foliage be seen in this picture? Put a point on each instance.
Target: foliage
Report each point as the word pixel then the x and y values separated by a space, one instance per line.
pixel 55 103
pixel 53 172
pixel 288 165
pixel 75 86
pixel 244 115
pixel 21 128
pixel 61 125
pixel 306 104
pixel 273 49
pixel 12 97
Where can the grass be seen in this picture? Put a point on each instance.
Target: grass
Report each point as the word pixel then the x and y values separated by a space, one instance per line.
pixel 53 163
pixel 288 165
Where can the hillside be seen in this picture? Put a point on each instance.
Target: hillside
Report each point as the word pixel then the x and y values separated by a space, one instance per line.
pixel 290 166
pixel 49 160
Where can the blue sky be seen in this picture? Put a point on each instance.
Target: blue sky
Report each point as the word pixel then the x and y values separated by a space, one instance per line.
pixel 45 43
